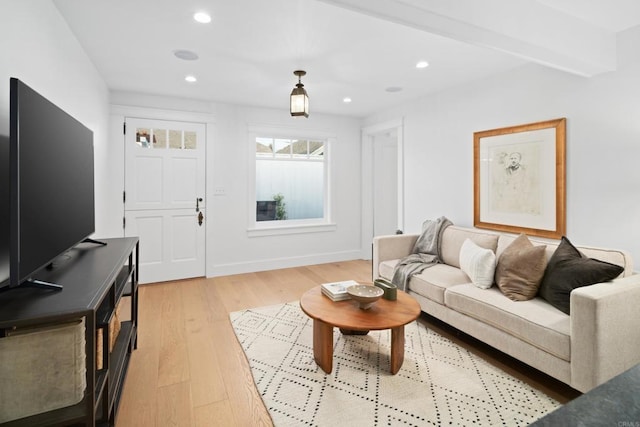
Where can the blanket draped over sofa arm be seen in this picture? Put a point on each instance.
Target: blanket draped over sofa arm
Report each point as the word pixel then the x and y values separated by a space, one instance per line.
pixel 426 252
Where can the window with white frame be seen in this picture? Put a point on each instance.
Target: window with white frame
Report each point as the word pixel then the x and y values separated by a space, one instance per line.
pixel 290 180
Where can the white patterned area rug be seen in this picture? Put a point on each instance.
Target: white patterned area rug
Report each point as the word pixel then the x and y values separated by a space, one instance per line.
pixel 439 383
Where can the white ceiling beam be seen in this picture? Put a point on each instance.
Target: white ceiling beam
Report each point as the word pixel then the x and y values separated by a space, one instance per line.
pixel 524 28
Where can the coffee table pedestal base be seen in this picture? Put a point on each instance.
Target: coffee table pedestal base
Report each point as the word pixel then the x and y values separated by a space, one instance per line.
pixel 397 349
pixel 323 345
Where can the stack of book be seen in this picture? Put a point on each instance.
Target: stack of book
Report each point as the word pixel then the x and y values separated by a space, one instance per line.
pixel 337 291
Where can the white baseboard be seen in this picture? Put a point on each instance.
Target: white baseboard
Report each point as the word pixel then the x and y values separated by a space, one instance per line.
pixel 278 263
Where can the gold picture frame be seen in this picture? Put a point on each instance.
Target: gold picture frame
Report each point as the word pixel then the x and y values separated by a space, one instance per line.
pixel 519 179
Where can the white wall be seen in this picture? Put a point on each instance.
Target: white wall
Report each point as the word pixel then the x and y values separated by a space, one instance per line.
pixel 603 144
pixel 37 47
pixel 230 249
pixel 233 250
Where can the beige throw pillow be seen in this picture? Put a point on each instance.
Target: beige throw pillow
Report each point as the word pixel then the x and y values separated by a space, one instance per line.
pixel 520 269
pixel 478 263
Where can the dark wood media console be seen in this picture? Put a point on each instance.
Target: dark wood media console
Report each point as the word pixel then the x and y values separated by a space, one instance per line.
pixel 94 279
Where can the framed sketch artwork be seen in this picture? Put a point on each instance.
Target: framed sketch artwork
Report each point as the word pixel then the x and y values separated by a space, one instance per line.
pixel 519 179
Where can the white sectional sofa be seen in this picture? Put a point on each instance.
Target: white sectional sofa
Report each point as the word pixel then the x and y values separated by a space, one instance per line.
pixel 598 340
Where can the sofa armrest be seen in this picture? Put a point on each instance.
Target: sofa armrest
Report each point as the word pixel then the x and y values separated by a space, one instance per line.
pixel 605 331
pixel 394 246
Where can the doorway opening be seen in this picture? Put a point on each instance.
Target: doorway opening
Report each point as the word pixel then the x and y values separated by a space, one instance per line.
pixel 383 182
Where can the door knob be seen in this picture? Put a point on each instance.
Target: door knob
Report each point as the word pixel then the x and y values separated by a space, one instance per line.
pixel 198 200
pixel 200 218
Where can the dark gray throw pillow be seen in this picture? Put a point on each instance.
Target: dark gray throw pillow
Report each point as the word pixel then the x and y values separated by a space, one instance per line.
pixel 568 269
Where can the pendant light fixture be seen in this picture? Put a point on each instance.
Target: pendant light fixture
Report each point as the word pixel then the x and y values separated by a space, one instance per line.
pixel 299 97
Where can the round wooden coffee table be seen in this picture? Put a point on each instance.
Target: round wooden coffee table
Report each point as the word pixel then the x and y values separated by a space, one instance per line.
pixel 347 316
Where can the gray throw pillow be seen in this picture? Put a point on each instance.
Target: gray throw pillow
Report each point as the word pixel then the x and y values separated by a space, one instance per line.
pixel 568 269
pixel 520 269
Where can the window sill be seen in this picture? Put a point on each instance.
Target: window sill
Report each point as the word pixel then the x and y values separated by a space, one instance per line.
pixel 277 230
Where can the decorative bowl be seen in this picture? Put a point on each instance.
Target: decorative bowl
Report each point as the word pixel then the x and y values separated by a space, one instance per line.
pixel 365 295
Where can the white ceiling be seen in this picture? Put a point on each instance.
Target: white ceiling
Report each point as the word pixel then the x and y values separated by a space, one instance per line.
pixel 349 48
pixel 613 15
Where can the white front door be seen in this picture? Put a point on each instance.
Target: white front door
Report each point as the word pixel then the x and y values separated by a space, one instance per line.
pixel 164 197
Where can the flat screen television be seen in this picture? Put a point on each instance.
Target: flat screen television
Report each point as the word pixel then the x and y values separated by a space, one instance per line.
pixel 51 183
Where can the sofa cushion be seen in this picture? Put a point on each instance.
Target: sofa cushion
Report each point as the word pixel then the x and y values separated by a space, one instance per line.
pixel 432 282
pixel 520 269
pixel 568 269
pixel 533 321
pixel 478 263
pixel 613 256
pixel 385 268
pixel 453 237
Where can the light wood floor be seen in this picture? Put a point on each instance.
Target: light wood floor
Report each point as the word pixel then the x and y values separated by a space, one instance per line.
pixel 189 369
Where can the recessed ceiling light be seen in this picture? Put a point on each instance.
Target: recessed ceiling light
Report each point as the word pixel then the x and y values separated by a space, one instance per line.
pixel 346 100
pixel 422 64
pixel 187 55
pixel 393 89
pixel 202 17
pixel 191 79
